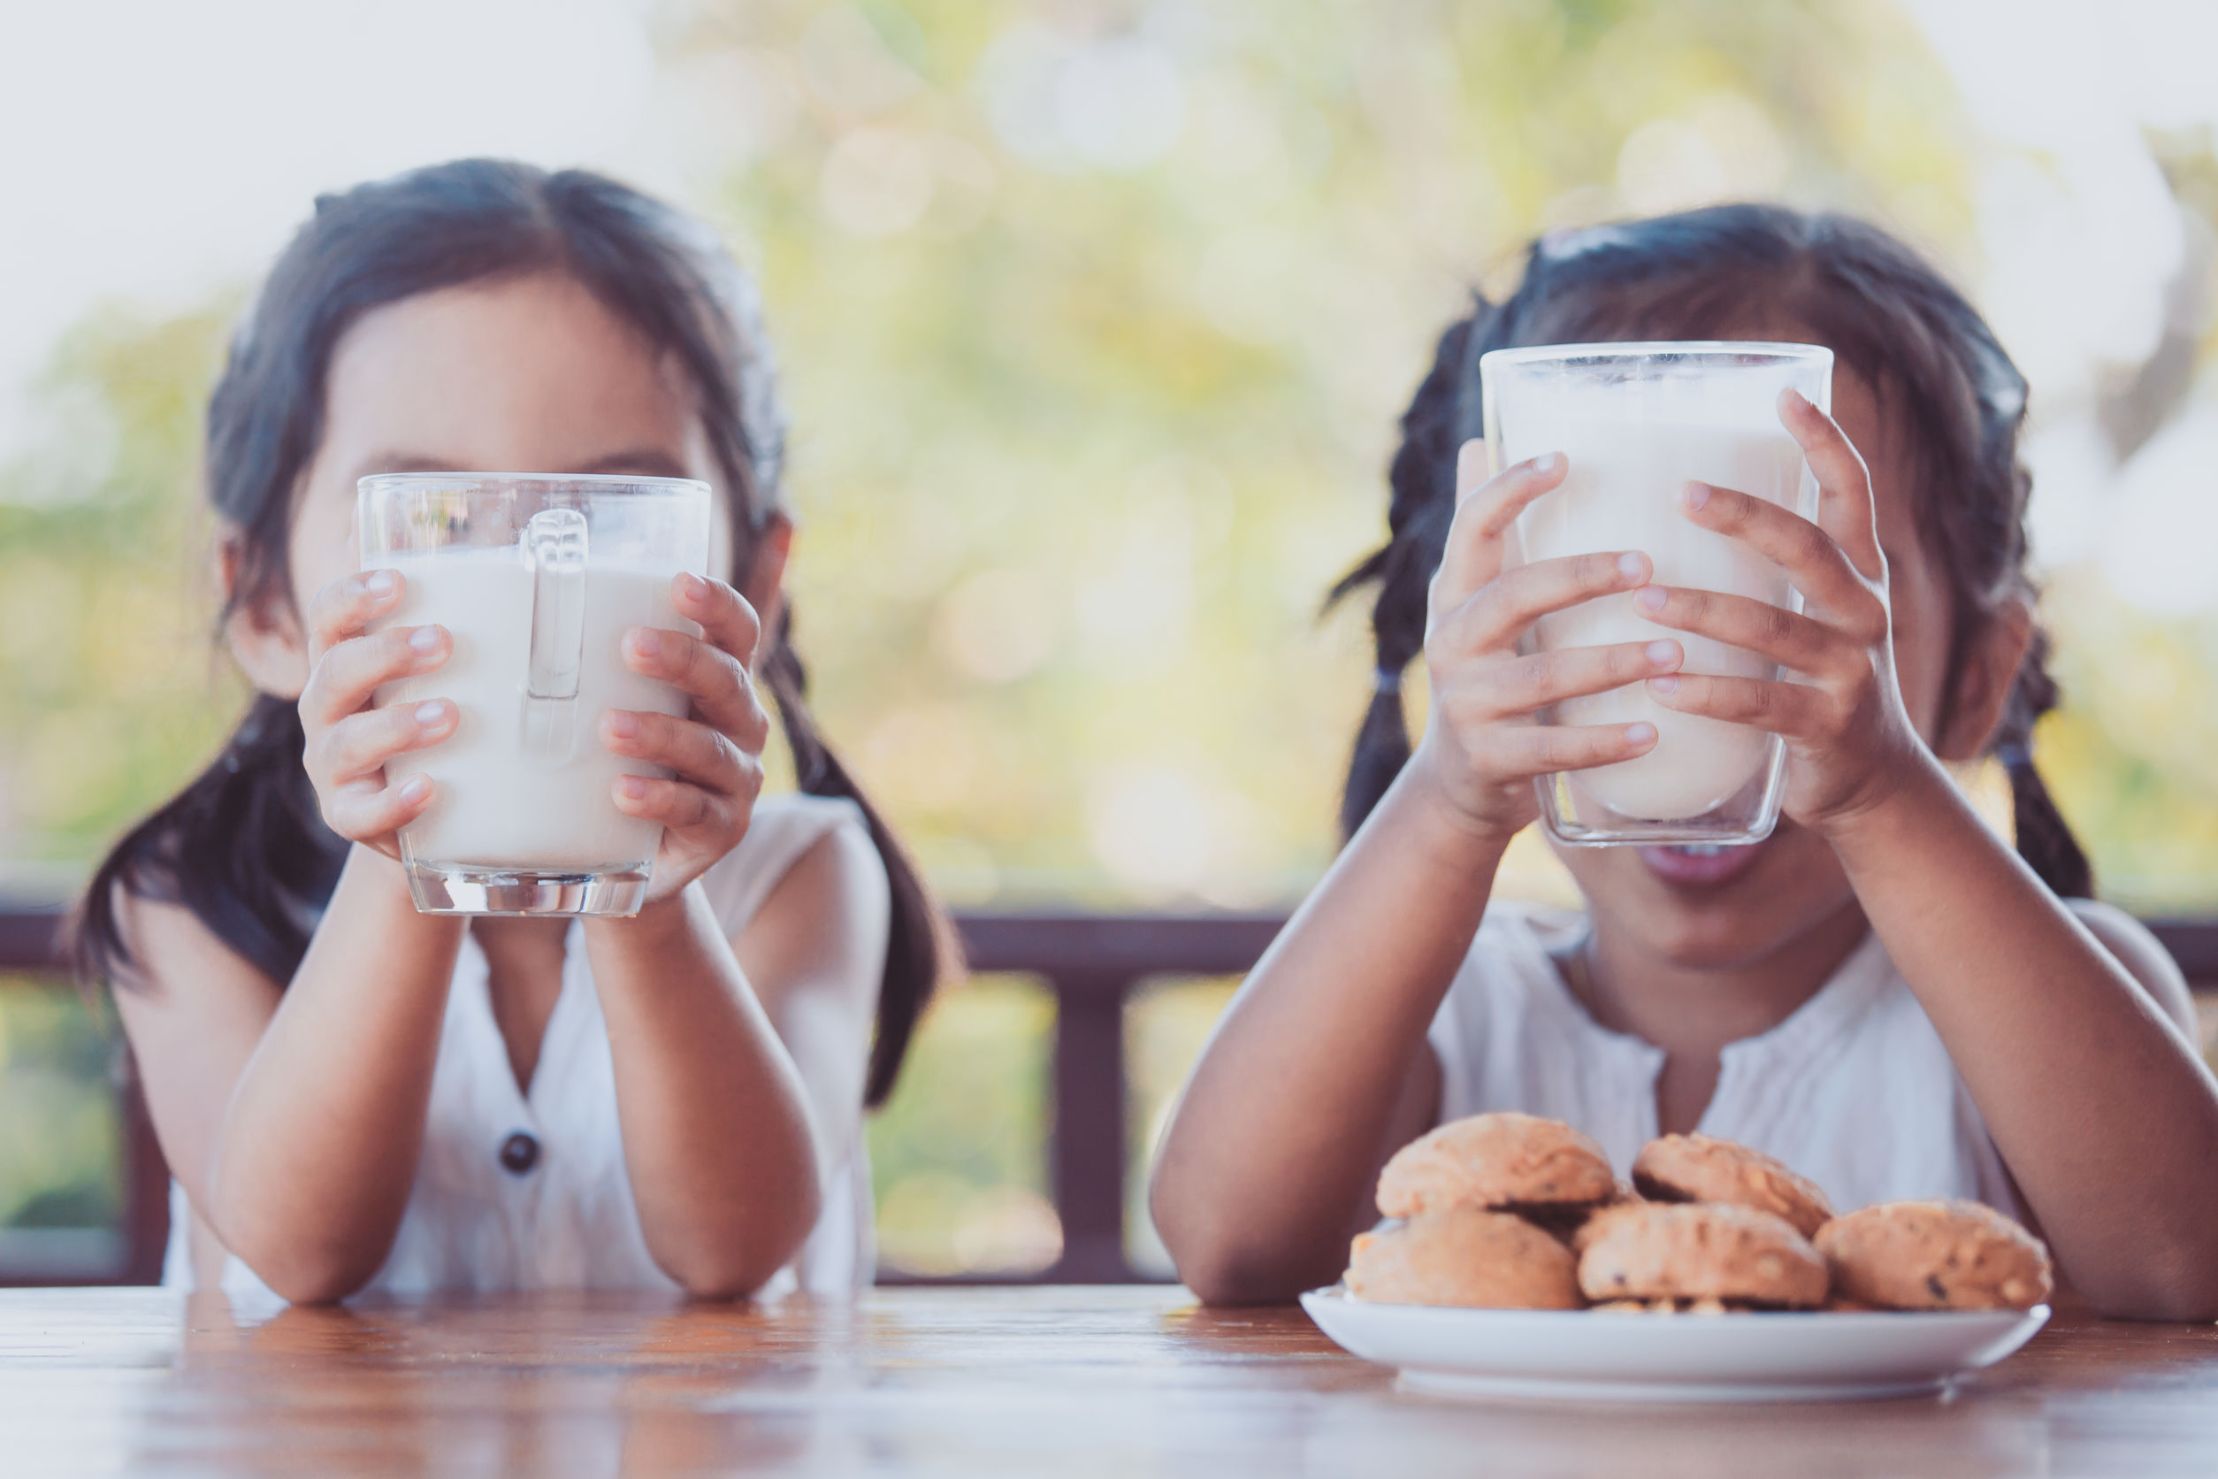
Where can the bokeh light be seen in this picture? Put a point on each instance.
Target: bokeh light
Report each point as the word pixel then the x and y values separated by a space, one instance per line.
pixel 1096 321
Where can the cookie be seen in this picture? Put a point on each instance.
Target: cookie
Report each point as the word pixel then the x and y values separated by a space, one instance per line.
pixel 1508 1162
pixel 1696 1168
pixel 1598 1219
pixel 1664 1307
pixel 1735 1255
pixel 1935 1256
pixel 1464 1256
pixel 1565 1220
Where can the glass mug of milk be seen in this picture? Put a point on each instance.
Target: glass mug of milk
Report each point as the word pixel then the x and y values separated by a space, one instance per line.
pixel 1636 423
pixel 537 578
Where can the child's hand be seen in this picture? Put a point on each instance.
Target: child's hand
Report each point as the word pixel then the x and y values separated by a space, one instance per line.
pixel 1482 748
pixel 716 754
pixel 1842 717
pixel 349 741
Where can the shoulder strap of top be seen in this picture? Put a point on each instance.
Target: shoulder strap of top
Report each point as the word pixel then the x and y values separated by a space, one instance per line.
pixel 782 830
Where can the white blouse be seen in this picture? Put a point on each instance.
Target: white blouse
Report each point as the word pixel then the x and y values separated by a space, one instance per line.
pixel 1854 1090
pixel 528 1190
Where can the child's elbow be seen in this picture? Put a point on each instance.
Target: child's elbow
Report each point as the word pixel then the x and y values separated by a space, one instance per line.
pixel 301 1274
pixel 1221 1262
pixel 2166 1307
pixel 315 1286
pixel 739 1265
pixel 2181 1290
pixel 1223 1276
pixel 722 1284
pixel 300 1259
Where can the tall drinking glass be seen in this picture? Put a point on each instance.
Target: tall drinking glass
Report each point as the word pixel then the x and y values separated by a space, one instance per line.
pixel 537 577
pixel 1636 423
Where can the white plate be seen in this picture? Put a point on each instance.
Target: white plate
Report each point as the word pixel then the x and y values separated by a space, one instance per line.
pixel 1584 1355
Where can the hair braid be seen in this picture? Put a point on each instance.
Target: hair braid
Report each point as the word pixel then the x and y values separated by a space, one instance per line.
pixel 2045 840
pixel 1422 478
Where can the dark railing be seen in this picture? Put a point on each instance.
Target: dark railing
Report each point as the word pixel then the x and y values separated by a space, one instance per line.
pixel 1090 963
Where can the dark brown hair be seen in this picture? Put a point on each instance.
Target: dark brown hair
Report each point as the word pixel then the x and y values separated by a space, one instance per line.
pixel 1886 314
pixel 243 847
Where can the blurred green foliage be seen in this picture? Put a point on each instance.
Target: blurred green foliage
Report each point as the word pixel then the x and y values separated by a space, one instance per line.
pixel 59 1122
pixel 959 1157
pixel 1096 320
pixel 1165 1024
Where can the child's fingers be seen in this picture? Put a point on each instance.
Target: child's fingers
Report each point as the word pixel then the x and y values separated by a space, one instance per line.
pixel 346 677
pixel 1795 710
pixel 1787 637
pixel 725 617
pixel 362 809
pixel 345 607
pixel 1845 506
pixel 1820 567
pixel 1494 618
pixel 1470 468
pixel 1473 555
pixel 1526 684
pixel 1514 751
pixel 695 751
pixel 676 804
pixel 360 744
pixel 723 695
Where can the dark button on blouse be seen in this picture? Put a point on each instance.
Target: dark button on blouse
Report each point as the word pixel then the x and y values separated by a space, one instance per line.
pixel 519 1153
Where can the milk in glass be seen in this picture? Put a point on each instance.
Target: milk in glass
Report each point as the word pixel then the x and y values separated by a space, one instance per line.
pixel 1621 492
pixel 519 789
pixel 1636 424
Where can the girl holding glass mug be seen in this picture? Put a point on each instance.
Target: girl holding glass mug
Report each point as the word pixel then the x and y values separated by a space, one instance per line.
pixel 352 1093
pixel 1877 992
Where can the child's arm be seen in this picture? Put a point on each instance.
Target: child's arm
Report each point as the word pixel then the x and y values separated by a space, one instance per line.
pixel 740 1066
pixel 295 1119
pixel 1319 1070
pixel 2094 1096
pixel 2103 1113
pixel 736 1090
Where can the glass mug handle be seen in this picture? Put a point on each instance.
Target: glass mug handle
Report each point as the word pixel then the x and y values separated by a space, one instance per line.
pixel 554 547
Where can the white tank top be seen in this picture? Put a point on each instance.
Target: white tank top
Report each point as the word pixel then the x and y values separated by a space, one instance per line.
pixel 1854 1090
pixel 529 1191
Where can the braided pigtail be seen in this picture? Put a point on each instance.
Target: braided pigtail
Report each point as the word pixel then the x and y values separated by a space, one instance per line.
pixel 919 947
pixel 2045 840
pixel 1422 480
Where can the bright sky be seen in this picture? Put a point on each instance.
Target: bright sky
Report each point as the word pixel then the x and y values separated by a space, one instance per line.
pixel 2082 247
pixel 158 149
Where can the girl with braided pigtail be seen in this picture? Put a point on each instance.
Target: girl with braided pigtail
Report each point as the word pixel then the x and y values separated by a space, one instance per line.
pixel 352 1095
pixel 1879 994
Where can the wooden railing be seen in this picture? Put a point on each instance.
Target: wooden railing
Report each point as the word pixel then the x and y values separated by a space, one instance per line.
pixel 1090 963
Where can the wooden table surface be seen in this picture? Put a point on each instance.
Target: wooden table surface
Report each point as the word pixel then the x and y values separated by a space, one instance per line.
pixel 1056 1381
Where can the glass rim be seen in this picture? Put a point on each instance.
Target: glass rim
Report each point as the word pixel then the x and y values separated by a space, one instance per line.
pixel 1778 350
pixel 644 485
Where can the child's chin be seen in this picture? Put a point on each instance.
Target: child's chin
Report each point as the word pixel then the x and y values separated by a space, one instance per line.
pixel 1786 886
pixel 1701 937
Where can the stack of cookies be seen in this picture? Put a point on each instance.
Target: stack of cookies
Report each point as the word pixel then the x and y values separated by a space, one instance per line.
pixel 1511 1211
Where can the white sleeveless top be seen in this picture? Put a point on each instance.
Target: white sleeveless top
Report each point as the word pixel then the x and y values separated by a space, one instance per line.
pixel 566 1219
pixel 1854 1090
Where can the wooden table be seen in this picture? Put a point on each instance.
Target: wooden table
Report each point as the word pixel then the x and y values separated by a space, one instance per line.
pixel 1056 1381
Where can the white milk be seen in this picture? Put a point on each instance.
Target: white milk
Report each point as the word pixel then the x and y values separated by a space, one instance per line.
pixel 1623 492
pixel 506 801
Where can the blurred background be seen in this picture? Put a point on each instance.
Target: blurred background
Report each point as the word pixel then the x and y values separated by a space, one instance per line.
pixel 1096 316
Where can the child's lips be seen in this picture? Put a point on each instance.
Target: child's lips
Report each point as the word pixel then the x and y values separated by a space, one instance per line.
pixel 1700 866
